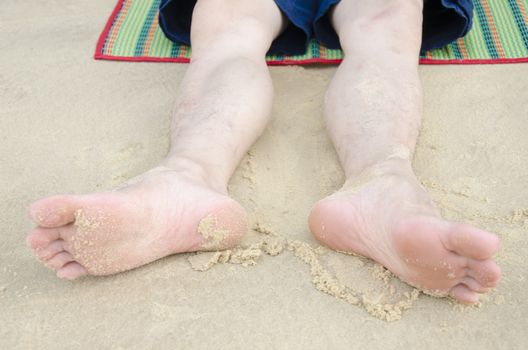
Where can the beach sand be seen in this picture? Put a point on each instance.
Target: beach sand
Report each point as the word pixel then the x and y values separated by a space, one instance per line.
pixel 70 124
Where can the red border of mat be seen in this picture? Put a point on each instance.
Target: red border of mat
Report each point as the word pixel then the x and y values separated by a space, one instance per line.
pixel 102 38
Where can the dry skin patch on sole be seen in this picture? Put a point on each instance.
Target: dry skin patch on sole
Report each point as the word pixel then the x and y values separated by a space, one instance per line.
pixel 104 259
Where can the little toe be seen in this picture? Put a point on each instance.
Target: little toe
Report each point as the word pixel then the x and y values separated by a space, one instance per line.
pixel 487 272
pixel 71 271
pixel 474 285
pixel 53 211
pixel 463 294
pixel 50 251
pixel 470 241
pixel 59 260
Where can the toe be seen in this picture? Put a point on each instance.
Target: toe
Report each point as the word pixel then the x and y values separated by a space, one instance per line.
pixel 470 241
pixel 463 294
pixel 472 284
pixel 487 272
pixel 39 238
pixel 59 260
pixel 71 271
pixel 53 211
pixel 50 251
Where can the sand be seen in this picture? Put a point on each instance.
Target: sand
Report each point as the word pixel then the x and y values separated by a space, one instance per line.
pixel 71 124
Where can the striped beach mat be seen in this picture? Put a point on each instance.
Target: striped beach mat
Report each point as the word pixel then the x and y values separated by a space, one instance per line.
pixel 499 35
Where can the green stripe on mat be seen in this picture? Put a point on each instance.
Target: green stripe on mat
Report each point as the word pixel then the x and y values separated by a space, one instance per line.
pixel 456 51
pixel 506 36
pixel 152 12
pixel 488 39
pixel 521 24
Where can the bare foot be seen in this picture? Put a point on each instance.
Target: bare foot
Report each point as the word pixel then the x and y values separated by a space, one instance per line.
pixel 160 213
pixel 387 215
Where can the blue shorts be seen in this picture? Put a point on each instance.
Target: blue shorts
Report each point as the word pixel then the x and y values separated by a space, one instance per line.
pixel 443 22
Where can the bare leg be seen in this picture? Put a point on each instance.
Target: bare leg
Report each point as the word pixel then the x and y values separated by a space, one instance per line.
pixel 181 205
pixel 373 111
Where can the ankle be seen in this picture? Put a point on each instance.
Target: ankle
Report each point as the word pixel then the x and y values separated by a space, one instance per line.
pixel 195 171
pixel 390 167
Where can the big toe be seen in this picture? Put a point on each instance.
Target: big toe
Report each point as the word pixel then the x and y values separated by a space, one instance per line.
pixel 53 211
pixel 471 242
